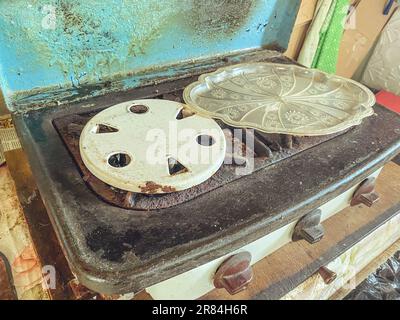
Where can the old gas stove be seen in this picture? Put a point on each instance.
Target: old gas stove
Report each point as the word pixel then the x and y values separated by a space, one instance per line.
pixel 118 241
pixel 174 241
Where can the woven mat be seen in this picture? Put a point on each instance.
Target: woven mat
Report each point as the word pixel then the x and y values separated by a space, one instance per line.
pixel 8 138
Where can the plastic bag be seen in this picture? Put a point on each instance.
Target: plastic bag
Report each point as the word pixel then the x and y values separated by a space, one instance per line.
pixel 384 284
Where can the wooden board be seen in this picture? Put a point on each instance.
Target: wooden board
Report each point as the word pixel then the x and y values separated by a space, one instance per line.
pixel 348 265
pixel 306 12
pixel 284 270
pixel 296 40
pixel 303 21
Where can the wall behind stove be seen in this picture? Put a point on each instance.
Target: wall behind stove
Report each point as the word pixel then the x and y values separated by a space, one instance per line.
pixel 48 45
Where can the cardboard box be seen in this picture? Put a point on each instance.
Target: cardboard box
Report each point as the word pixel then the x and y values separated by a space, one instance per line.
pixel 303 21
pixel 306 12
pixel 296 40
pixel 364 24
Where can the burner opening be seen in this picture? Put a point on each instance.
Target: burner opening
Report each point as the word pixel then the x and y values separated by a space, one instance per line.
pixel 139 109
pixel 102 128
pixel 205 140
pixel 175 167
pixel 119 160
pixel 184 113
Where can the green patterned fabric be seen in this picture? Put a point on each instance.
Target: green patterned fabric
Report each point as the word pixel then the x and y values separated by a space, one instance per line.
pixel 331 34
pixel 323 31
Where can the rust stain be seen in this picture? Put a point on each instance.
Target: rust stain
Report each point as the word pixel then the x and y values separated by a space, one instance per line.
pixel 152 187
pixel 168 189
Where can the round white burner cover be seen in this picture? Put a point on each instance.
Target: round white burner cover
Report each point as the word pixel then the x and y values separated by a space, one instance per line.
pixel 148 146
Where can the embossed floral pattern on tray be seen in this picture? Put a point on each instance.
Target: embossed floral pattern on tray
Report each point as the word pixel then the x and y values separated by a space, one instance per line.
pixel 276 98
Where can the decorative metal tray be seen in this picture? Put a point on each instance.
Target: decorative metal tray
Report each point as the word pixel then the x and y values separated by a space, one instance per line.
pixel 277 98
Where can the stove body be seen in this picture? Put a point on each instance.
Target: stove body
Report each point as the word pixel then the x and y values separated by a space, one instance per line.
pixel 167 242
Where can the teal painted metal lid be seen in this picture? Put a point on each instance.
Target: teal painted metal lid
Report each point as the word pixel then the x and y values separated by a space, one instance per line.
pixel 62 47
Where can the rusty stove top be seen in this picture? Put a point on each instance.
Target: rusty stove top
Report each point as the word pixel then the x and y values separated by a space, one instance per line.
pixel 118 242
pixel 266 150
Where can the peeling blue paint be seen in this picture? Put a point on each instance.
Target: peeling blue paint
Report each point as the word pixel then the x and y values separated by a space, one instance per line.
pixel 49 46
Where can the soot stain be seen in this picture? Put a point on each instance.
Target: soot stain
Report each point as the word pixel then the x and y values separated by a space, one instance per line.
pixel 70 17
pixel 212 17
pixel 113 245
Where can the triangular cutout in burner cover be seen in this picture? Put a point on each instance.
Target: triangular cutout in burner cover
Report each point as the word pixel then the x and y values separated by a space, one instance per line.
pixel 175 167
pixel 103 128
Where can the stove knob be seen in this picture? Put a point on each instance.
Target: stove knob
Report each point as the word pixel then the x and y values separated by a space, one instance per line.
pixel 365 194
pixel 309 228
pixel 235 273
pixel 327 275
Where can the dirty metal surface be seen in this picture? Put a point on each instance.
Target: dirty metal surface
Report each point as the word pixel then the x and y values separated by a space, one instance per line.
pixel 114 250
pixel 268 149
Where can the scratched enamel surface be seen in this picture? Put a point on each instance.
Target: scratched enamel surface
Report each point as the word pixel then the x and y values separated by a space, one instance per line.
pixel 50 43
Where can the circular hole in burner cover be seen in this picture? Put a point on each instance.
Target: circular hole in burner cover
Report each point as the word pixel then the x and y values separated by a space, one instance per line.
pixel 171 153
pixel 205 140
pixel 119 160
pixel 139 109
